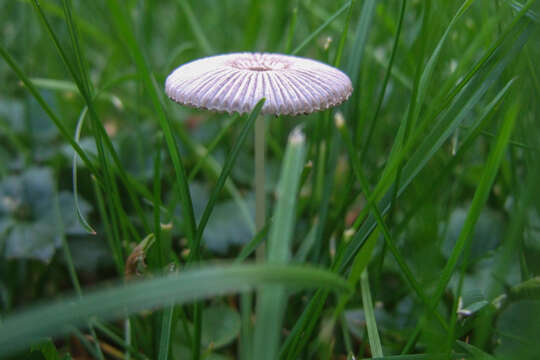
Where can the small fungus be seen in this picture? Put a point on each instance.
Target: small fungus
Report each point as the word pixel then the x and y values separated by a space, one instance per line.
pixel 236 82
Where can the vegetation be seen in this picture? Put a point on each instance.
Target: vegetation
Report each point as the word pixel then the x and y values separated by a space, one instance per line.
pixel 403 224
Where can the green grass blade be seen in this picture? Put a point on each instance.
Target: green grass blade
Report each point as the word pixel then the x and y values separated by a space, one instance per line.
pixel 227 168
pixel 371 323
pixel 427 73
pixel 118 340
pixel 343 37
pixel 272 299
pixel 123 26
pixel 204 158
pixel 360 39
pixel 198 32
pixel 291 31
pixel 80 215
pixel 252 245
pixel 86 27
pixel 165 333
pixel 20 330
pixel 317 31
pixel 373 122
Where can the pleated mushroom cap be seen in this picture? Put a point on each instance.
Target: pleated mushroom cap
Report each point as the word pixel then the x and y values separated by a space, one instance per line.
pixel 236 82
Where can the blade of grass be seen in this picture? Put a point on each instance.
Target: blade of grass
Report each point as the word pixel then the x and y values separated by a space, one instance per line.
pixel 427 73
pixel 18 331
pixel 371 126
pixel 317 31
pixel 123 26
pixel 201 38
pixel 79 72
pixel 226 170
pixel 165 333
pixel 272 299
pixel 222 132
pixel 80 216
pixel 118 340
pixel 252 245
pixel 371 323
pixel 360 39
pixel 343 36
pixel 290 32
pixel 86 27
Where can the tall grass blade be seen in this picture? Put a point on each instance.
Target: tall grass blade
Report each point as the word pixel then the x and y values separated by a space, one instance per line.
pixel 271 299
pixel 123 26
pixel 371 323
pixel 197 29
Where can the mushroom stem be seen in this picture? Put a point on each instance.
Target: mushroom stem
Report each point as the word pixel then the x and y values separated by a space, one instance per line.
pixel 260 200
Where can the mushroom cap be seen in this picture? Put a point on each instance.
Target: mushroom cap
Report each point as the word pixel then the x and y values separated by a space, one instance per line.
pixel 235 82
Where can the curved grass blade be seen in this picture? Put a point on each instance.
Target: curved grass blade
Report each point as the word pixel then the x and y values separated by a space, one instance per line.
pixel 20 330
pixel 80 215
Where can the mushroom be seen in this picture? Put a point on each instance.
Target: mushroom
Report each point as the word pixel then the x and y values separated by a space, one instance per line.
pixel 236 82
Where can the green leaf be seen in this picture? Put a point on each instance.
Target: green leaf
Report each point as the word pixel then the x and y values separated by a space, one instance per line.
pixel 486 236
pixel 225 228
pixel 220 326
pixel 47 349
pixel 518 329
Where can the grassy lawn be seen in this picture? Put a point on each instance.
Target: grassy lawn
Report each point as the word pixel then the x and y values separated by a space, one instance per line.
pixel 401 224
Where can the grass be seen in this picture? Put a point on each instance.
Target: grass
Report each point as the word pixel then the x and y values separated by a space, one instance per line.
pixel 424 179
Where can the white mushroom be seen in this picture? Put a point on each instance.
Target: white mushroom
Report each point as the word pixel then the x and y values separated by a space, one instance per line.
pixel 236 82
